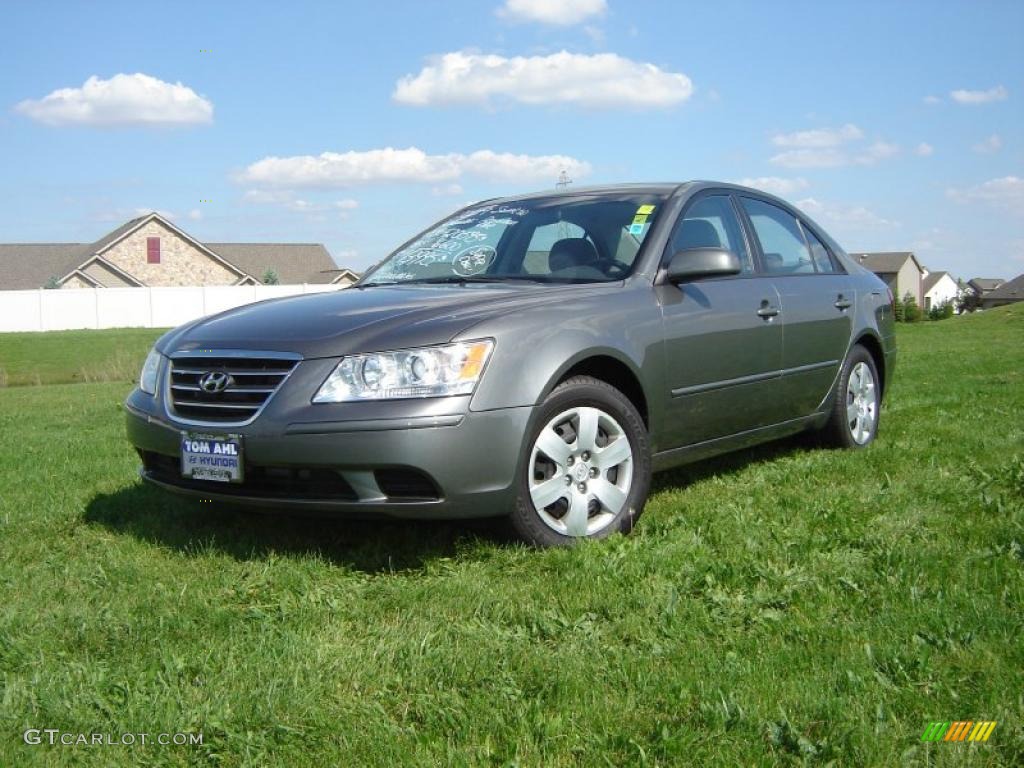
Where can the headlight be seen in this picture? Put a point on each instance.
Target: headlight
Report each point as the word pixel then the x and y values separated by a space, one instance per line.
pixel 150 369
pixel 450 369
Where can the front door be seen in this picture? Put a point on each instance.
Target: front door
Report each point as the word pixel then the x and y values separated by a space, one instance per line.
pixel 723 337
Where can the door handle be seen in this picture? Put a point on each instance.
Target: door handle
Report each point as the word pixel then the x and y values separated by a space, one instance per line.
pixel 842 303
pixel 767 311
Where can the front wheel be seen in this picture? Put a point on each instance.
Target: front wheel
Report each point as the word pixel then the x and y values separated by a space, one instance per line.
pixel 586 466
pixel 855 413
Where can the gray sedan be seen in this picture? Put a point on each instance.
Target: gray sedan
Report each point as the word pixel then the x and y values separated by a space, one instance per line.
pixel 537 357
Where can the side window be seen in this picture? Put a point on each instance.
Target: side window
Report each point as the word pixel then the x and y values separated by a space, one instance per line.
pixel 544 237
pixel 782 241
pixel 711 223
pixel 822 261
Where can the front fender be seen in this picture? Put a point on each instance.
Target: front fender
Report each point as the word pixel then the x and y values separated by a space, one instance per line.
pixel 534 350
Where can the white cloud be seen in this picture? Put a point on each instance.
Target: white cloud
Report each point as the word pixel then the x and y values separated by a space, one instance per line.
pixel 556 12
pixel 999 93
pixel 146 211
pixel 336 169
pixel 811 158
pixel 122 215
pixel 829 148
pixel 122 100
pixel 932 100
pixel 845 218
pixel 286 199
pixel 880 150
pixel 924 149
pixel 1006 192
pixel 775 185
pixel 306 206
pixel 266 196
pixel 195 214
pixel 595 33
pixel 445 190
pixel 818 137
pixel 598 80
pixel 989 144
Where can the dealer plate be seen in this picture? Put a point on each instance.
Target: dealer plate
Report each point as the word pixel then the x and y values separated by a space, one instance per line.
pixel 211 457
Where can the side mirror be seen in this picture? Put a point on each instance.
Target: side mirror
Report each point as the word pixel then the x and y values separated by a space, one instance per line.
pixel 695 263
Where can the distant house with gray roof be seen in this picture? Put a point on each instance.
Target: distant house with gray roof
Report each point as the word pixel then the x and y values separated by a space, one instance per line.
pixel 900 270
pixel 983 285
pixel 151 251
pixel 1009 292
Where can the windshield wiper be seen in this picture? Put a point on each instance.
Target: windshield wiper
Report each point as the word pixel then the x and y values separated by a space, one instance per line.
pixel 375 284
pixel 462 279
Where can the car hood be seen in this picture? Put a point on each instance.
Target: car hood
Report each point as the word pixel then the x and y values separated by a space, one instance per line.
pixel 353 320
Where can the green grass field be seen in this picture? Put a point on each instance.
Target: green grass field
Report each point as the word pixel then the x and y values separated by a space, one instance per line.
pixel 782 606
pixel 62 357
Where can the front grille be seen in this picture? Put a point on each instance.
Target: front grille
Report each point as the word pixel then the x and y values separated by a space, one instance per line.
pixel 253 380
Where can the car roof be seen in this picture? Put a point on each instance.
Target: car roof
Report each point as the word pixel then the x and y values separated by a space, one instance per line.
pixel 654 188
pixel 664 188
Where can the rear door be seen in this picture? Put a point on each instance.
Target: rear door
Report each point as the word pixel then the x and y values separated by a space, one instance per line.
pixel 817 303
pixel 723 338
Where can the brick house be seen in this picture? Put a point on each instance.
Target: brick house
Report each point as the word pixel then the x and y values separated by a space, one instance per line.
pixel 151 251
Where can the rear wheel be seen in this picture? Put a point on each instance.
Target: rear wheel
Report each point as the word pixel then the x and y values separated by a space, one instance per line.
pixel 586 466
pixel 855 413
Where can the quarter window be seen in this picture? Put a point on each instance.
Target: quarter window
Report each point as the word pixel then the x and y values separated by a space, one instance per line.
pixel 782 242
pixel 711 223
pixel 822 260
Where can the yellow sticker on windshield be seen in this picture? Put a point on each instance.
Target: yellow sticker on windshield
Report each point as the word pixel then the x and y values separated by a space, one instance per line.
pixel 644 209
pixel 640 218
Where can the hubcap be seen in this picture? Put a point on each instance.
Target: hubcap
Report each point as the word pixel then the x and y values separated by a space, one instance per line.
pixel 861 403
pixel 581 469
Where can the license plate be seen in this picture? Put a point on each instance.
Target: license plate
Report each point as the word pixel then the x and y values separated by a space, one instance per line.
pixel 211 457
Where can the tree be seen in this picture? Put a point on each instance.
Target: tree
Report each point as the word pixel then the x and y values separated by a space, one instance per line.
pixel 911 311
pixel 270 277
pixel 941 311
pixel 897 309
pixel 966 299
pixel 52 283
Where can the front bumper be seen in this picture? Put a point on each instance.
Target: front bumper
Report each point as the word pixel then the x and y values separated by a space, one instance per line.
pixel 433 465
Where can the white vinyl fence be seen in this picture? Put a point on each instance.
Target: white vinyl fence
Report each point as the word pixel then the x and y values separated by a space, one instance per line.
pixel 64 309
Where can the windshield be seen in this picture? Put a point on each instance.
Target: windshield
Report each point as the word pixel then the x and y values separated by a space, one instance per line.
pixel 582 238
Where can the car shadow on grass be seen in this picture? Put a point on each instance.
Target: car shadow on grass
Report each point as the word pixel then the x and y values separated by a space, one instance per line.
pixel 372 546
pixel 737 461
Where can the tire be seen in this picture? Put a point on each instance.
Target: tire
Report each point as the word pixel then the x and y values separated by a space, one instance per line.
pixel 588 493
pixel 853 422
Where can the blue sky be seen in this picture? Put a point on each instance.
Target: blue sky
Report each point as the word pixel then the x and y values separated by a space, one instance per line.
pixel 896 125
